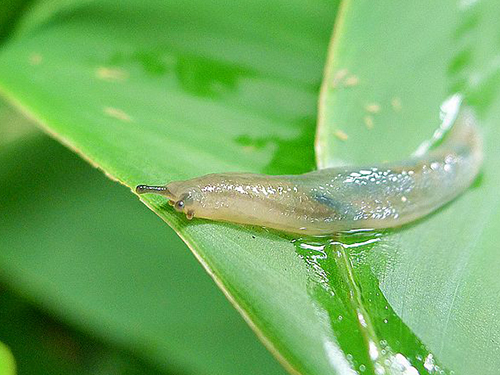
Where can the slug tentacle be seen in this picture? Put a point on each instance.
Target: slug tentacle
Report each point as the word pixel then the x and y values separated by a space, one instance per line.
pixel 337 199
pixel 142 189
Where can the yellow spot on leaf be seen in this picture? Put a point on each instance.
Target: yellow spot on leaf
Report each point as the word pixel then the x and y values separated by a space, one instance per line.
pixel 117 113
pixel 111 74
pixel 249 148
pixel 369 122
pixel 373 108
pixel 341 135
pixel 339 77
pixel 36 59
pixel 396 104
pixel 351 81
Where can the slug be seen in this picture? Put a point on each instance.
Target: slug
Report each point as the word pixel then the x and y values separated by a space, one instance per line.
pixel 332 200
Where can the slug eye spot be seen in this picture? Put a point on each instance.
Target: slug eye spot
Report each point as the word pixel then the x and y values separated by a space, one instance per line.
pixel 179 205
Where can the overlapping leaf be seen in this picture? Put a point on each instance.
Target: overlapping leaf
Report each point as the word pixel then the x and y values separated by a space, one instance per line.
pixel 391 67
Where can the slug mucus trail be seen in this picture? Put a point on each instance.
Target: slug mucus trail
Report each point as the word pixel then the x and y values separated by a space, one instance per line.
pixel 338 199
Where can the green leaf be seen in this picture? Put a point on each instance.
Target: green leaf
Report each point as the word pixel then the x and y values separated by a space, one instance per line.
pixel 11 11
pixel 440 275
pixel 154 92
pixel 160 92
pixel 89 253
pixel 7 363
pixel 44 346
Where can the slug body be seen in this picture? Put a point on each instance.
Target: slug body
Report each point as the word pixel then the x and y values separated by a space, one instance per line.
pixel 337 199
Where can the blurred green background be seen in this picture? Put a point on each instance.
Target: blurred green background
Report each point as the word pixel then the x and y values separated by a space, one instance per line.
pixel 93 283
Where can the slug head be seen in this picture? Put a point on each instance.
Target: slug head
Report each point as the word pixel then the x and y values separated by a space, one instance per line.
pixel 182 195
pixel 214 196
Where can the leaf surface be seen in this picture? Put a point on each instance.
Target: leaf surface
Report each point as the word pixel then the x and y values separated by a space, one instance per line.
pixel 89 253
pixel 7 363
pixel 152 92
pixel 390 68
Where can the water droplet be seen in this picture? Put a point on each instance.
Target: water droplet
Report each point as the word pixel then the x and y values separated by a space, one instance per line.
pixel 429 363
pixel 379 369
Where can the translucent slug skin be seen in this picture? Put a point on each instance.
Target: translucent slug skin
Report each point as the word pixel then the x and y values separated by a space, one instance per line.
pixel 337 199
